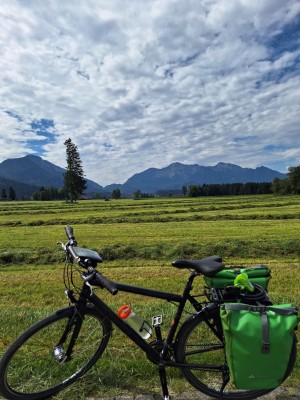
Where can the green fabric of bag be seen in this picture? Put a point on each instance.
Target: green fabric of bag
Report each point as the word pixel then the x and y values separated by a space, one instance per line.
pixel 260 275
pixel 258 343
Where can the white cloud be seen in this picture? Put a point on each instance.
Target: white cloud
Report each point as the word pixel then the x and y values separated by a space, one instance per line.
pixel 143 84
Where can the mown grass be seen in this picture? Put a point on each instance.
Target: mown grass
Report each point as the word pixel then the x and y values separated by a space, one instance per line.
pixel 156 240
pixel 138 240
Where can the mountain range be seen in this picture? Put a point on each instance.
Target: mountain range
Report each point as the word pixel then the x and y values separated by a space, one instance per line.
pixel 27 174
pixel 34 172
pixel 177 175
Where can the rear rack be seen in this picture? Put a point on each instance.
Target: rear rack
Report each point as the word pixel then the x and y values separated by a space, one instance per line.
pixel 234 294
pixel 221 295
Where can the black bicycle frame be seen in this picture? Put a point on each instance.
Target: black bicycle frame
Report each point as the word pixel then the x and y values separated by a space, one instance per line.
pixel 152 354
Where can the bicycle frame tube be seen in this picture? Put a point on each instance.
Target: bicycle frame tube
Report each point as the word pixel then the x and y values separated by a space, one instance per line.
pixel 152 354
pixel 126 329
pixel 148 292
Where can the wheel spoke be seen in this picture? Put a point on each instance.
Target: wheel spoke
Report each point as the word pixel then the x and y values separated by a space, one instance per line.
pixel 34 363
pixel 203 349
pixel 203 353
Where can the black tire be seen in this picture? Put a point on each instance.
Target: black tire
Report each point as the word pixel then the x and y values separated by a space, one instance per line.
pixel 197 344
pixel 30 371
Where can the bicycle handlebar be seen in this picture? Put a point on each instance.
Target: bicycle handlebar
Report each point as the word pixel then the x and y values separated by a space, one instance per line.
pixel 70 235
pixel 69 232
pixel 105 283
pixel 98 279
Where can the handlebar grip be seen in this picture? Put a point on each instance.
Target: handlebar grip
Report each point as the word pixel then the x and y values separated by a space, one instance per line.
pixel 106 284
pixel 69 232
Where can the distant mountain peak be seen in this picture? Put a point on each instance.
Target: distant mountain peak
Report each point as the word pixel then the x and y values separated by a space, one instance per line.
pixel 176 175
pixel 222 164
pixel 33 156
pixel 226 165
pixel 33 170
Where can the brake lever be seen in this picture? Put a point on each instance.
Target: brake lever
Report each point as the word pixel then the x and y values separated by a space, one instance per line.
pixel 87 278
pixel 63 246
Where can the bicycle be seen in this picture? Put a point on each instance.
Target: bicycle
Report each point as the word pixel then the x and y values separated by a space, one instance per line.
pixel 65 345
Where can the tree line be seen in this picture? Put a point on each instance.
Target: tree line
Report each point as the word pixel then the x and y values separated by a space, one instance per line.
pixel 49 193
pixel 10 195
pixel 290 185
pixel 224 189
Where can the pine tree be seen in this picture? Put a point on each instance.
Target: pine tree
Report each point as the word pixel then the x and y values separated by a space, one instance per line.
pixel 11 193
pixel 74 182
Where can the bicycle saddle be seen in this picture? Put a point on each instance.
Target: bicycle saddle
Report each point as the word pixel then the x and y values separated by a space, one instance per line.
pixel 208 266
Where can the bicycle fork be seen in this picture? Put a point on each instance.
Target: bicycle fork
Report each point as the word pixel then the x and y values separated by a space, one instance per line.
pixel 59 353
pixel 72 328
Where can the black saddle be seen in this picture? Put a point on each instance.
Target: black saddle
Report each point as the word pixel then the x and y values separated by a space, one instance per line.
pixel 208 266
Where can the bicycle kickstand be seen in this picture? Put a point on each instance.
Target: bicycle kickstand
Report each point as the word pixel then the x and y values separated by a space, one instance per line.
pixel 163 381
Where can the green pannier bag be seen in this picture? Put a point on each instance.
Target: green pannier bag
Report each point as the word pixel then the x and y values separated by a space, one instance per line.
pixel 259 275
pixel 259 343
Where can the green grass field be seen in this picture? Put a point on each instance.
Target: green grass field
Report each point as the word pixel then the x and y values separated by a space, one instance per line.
pixel 138 241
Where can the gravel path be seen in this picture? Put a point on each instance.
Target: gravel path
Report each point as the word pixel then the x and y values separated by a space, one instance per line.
pixel 280 393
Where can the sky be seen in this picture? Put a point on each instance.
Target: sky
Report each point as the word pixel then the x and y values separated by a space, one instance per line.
pixel 138 84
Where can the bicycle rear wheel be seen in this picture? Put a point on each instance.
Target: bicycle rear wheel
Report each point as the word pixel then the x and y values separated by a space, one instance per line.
pixel 34 368
pixel 198 346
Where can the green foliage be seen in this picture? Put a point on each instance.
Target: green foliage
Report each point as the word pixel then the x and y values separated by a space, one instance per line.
pixel 116 194
pixel 74 182
pixel 194 191
pixel 229 189
pixel 294 179
pixel 291 185
pixel 3 194
pixel 50 193
pixel 11 193
pixel 137 194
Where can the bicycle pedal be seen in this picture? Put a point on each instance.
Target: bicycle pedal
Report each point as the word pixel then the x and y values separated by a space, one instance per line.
pixel 157 320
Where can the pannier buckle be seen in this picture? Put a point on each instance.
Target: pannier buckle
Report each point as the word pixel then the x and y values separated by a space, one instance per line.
pixel 265 348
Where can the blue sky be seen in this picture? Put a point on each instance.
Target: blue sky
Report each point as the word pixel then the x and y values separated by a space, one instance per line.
pixel 139 84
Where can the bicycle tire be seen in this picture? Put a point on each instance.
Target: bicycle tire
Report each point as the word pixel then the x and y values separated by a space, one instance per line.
pixel 29 370
pixel 196 343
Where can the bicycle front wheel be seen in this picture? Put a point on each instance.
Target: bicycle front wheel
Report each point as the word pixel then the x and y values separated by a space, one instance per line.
pixel 203 353
pixel 36 367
